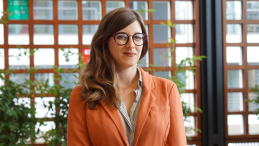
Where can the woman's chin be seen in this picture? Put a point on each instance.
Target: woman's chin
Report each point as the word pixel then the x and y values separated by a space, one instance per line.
pixel 128 64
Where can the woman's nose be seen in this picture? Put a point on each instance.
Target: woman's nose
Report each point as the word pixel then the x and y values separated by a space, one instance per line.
pixel 130 43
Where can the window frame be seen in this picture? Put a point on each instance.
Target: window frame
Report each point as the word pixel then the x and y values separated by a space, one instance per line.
pixel 244 67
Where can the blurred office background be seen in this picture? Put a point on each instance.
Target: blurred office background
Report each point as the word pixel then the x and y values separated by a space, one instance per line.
pixel 226 31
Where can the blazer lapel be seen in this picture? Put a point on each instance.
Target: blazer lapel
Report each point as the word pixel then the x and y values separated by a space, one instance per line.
pixel 146 102
pixel 116 118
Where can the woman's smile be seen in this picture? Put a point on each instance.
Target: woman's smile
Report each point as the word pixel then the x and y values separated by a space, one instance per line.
pixel 129 54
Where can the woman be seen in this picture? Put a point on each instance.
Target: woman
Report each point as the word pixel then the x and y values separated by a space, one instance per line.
pixel 117 102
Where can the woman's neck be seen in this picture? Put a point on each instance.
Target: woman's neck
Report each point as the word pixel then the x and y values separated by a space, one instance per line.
pixel 127 76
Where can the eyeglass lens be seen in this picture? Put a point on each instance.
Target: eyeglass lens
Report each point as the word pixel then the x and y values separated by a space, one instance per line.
pixel 122 38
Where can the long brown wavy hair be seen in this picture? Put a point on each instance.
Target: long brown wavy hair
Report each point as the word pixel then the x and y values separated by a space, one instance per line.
pixel 99 79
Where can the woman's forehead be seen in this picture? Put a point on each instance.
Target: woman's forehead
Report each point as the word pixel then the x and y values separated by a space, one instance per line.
pixel 133 28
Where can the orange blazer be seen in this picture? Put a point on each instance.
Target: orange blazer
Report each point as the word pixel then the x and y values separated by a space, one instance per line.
pixel 160 118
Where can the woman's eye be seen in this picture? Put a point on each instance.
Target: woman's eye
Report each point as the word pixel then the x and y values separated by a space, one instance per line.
pixel 121 37
pixel 137 37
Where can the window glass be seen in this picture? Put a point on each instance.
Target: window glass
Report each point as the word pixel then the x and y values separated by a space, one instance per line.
pixel 235 101
pixel 253 106
pixel 235 124
pixel 19 9
pixel 253 10
pixel 69 80
pixel 2 60
pixel 23 101
pixel 187 77
pixel 47 126
pixel 233 10
pixel 253 77
pixel 163 10
pixel 163 74
pixel 235 79
pixel 183 10
pixel 43 34
pixel 147 30
pixel 162 57
pixel 88 33
pixel 18 34
pixel 111 5
pixel 253 124
pixel 181 53
pixel 189 99
pixel 18 58
pixel 1 8
pixel 63 105
pixel 42 10
pixel 19 78
pixel 236 59
pixel 43 77
pixel 67 10
pixel 92 10
pixel 1 33
pixel 234 33
pixel 144 62
pixel 138 6
pixel 1 81
pixel 252 55
pixel 184 33
pixel 252 33
pixel 190 126
pixel 244 144
pixel 41 110
pixel 67 34
pixel 161 33
pixel 68 58
pixel 44 58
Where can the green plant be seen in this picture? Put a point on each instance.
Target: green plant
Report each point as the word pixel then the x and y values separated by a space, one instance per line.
pixel 255 100
pixel 179 75
pixel 58 135
pixel 11 93
pixel 17 121
pixel 3 18
pixel 141 12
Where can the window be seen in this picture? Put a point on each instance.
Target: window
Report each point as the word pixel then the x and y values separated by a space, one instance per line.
pixel 241 71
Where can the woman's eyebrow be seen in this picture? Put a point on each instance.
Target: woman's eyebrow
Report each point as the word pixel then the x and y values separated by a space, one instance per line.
pixel 127 33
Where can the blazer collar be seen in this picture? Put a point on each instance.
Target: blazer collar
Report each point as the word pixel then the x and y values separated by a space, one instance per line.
pixel 116 118
pixel 146 102
pixel 147 81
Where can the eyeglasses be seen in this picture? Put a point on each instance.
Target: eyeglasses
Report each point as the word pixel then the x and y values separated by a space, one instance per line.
pixel 122 38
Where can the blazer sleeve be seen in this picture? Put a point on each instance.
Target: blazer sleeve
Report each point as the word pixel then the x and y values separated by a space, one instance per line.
pixel 176 136
pixel 77 133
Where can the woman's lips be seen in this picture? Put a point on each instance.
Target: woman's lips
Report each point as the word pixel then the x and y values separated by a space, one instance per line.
pixel 129 54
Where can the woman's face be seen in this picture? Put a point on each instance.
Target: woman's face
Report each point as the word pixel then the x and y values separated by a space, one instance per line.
pixel 128 54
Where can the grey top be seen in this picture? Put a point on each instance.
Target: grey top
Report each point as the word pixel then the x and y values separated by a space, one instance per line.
pixel 130 121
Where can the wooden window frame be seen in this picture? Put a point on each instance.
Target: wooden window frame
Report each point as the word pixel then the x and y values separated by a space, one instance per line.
pixel 244 67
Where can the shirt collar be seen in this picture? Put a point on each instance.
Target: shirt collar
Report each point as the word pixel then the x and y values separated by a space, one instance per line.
pixel 140 78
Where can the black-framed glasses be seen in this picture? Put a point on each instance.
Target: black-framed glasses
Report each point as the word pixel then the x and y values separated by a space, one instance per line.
pixel 121 38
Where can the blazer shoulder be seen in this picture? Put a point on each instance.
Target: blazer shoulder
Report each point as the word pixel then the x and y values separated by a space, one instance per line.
pixel 75 95
pixel 77 89
pixel 158 81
